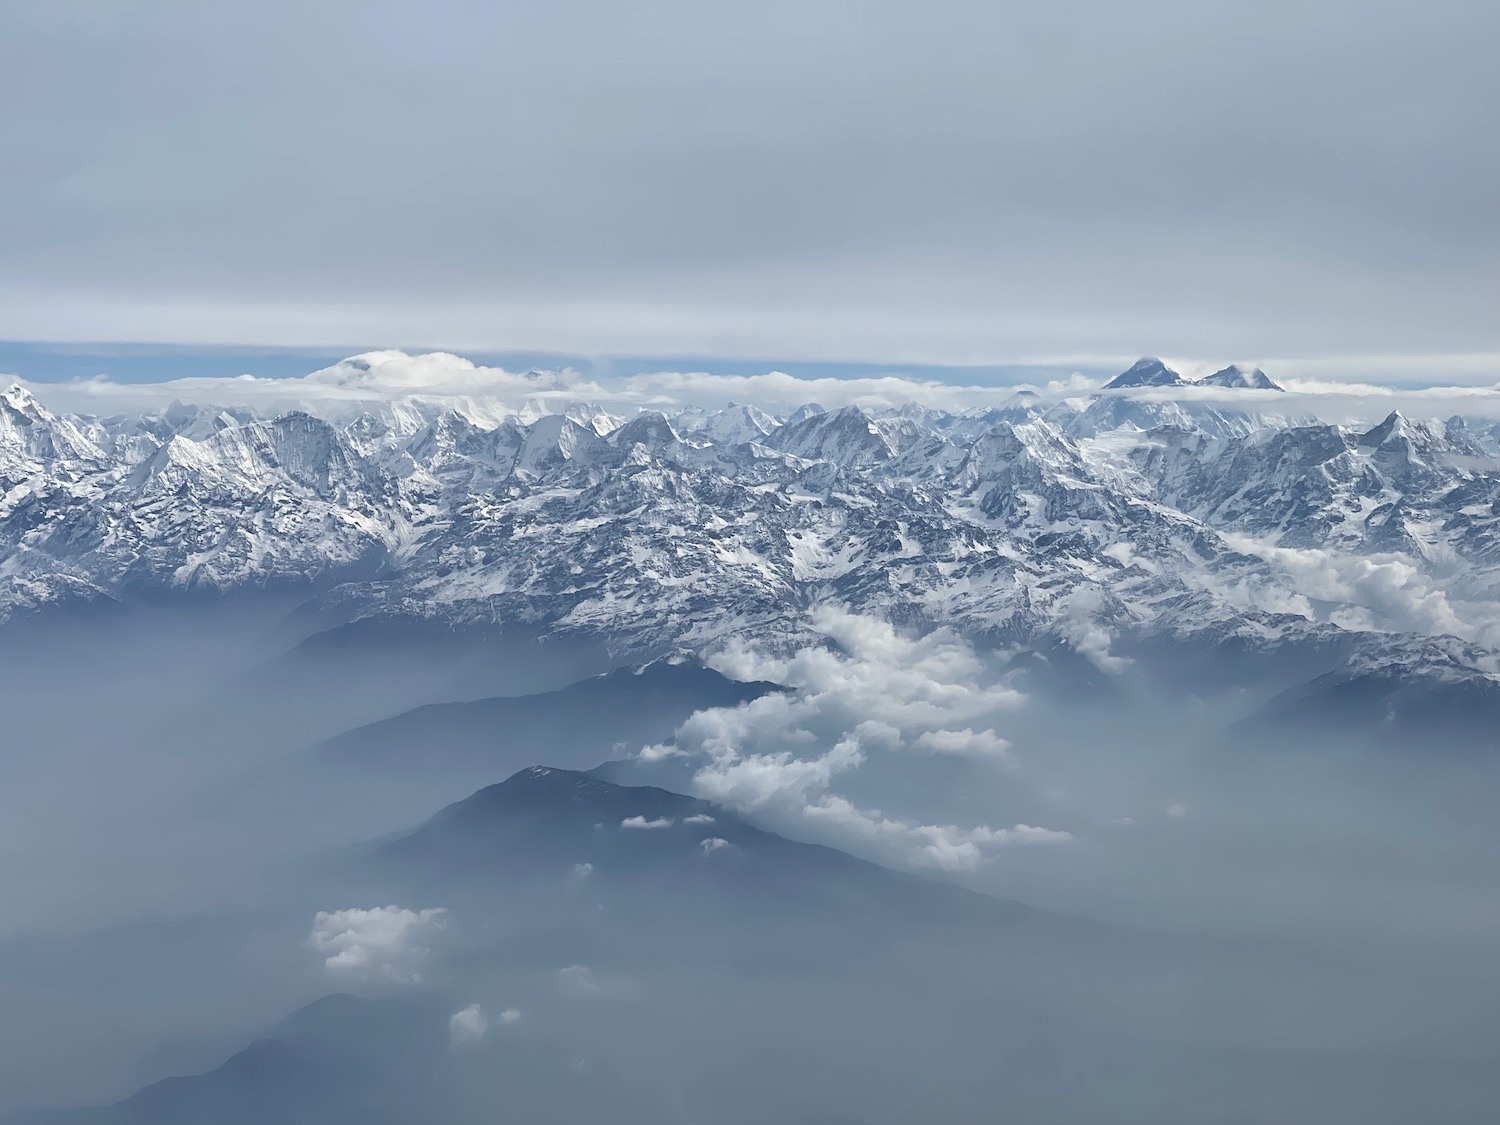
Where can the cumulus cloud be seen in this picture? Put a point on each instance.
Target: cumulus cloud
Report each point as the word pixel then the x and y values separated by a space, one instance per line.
pixel 383 941
pixel 582 870
pixel 467 1025
pixel 976 744
pixel 869 673
pixel 869 687
pixel 699 818
pixel 713 844
pixel 642 822
pixel 880 736
pixel 751 780
pixel 1387 592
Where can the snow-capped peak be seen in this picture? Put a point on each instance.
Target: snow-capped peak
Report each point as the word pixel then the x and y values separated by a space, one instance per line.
pixel 1240 377
pixel 1146 372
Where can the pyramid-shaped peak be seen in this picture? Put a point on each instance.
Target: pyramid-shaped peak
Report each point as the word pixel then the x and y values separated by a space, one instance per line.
pixel 538 786
pixel 847 415
pixel 547 793
pixel 805 411
pixel 649 428
pixel 1395 425
pixel 1241 377
pixel 1146 372
pixel 534 773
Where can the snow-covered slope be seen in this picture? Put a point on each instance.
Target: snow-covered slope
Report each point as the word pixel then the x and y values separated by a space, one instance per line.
pixel 1098 525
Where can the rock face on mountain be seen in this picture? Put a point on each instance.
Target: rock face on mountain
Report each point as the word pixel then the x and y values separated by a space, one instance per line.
pixel 1147 372
pixel 1099 524
pixel 1243 378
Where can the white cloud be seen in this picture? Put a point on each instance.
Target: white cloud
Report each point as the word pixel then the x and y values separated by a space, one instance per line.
pixel 882 736
pixel 582 870
pixel 642 822
pixel 699 818
pixel 966 743
pixel 713 844
pixel 871 686
pixel 874 676
pixel 1323 388
pixel 946 847
pixel 467 1025
pixel 1076 383
pixel 510 1016
pixel 383 941
pixel 1088 634
pixel 1381 591
pixel 752 780
pixel 660 751
pixel 349 385
pixel 579 978
pixel 447 380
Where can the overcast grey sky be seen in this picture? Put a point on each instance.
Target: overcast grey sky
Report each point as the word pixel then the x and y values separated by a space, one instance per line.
pixel 947 182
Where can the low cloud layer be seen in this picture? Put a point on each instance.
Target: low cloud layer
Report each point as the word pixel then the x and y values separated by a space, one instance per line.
pixel 446 381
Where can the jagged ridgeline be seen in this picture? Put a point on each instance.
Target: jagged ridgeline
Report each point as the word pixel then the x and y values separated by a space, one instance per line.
pixel 1117 755
pixel 1159 515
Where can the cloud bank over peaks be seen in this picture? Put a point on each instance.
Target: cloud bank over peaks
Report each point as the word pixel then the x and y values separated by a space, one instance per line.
pixel 877 700
pixel 487 394
pixel 442 378
pixel 1379 592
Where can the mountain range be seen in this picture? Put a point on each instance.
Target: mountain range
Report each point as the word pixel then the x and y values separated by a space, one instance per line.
pixel 1108 526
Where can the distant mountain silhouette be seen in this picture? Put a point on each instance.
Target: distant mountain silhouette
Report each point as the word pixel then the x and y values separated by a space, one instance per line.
pixel 579 724
pixel 542 821
pixel 331 1061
